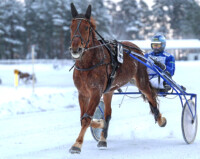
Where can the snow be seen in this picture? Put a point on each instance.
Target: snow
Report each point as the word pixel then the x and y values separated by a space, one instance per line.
pixel 12 41
pixel 1 32
pixel 20 28
pixel 132 29
pixel 45 123
pixel 58 22
pixel 65 28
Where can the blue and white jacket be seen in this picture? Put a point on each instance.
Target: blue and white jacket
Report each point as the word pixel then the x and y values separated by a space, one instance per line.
pixel 164 58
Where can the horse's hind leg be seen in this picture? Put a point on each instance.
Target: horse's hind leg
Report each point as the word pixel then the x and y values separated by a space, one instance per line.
pixel 154 108
pixel 144 86
pixel 107 114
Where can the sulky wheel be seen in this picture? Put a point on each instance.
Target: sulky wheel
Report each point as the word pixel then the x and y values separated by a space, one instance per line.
pixel 98 114
pixel 188 124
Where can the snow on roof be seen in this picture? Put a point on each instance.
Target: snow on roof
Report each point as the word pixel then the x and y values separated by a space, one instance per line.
pixel 171 44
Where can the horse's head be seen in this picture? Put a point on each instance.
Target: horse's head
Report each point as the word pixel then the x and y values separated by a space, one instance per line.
pixel 81 29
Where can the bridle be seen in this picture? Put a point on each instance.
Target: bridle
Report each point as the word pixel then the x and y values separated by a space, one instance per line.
pixel 86 47
pixel 78 34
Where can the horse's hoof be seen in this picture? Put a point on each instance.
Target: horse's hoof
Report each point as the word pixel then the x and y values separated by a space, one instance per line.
pixel 75 150
pixel 102 144
pixel 163 122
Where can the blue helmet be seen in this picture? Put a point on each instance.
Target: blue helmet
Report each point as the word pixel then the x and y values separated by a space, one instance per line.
pixel 160 41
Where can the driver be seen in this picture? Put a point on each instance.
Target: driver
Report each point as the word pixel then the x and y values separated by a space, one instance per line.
pixel 162 59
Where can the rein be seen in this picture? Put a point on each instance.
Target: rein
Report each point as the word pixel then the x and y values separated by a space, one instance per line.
pixel 97 46
pixel 93 67
pixel 105 43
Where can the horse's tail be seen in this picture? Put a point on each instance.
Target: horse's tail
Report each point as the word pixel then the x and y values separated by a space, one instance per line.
pixel 153 91
pixel 142 80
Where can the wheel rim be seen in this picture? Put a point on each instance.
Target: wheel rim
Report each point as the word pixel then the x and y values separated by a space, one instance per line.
pixel 189 126
pixel 96 132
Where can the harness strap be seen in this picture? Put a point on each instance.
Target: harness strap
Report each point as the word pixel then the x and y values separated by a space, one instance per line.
pixel 113 63
pixel 111 79
pixel 91 68
pixel 79 34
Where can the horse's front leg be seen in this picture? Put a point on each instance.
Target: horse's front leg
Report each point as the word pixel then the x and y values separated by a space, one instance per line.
pixel 107 114
pixel 87 112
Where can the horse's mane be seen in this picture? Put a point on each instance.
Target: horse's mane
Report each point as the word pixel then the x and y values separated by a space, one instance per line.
pixel 93 24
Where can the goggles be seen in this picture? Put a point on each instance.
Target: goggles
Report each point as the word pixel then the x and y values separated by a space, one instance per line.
pixel 156 45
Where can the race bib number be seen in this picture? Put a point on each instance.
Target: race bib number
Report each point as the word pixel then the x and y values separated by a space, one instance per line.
pixel 120 56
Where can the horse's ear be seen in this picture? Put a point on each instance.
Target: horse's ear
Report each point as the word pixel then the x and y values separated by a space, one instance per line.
pixel 73 10
pixel 88 12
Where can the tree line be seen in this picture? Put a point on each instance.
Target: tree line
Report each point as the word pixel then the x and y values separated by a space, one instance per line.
pixel 46 23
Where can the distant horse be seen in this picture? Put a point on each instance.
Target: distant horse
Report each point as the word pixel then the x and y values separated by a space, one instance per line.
pixel 24 76
pixel 94 72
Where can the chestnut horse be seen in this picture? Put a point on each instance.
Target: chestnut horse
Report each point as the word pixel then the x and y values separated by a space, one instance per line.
pixel 91 75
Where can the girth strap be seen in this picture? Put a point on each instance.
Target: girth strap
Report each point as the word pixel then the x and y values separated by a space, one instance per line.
pixel 114 65
pixel 111 79
pixel 91 68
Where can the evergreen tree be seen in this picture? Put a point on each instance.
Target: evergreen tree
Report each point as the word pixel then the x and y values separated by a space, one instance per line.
pixel 101 15
pixel 194 22
pixel 180 16
pixel 160 11
pixel 129 22
pixel 132 19
pixel 184 15
pixel 145 17
pixel 11 29
pixel 46 23
pixel 115 21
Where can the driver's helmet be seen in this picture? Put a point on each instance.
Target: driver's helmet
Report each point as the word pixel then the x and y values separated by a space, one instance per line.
pixel 158 43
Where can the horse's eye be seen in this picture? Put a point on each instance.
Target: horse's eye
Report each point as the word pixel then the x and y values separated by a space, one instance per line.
pixel 86 28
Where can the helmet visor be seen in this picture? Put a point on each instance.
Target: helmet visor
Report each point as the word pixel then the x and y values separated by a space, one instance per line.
pixel 156 45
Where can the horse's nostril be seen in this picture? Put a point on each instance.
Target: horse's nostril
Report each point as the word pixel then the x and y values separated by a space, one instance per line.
pixel 74 50
pixel 79 49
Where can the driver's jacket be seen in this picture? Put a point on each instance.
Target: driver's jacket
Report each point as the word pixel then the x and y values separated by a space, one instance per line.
pixel 164 58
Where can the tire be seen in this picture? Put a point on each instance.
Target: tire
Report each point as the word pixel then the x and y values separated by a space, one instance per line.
pixel 188 125
pixel 98 114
